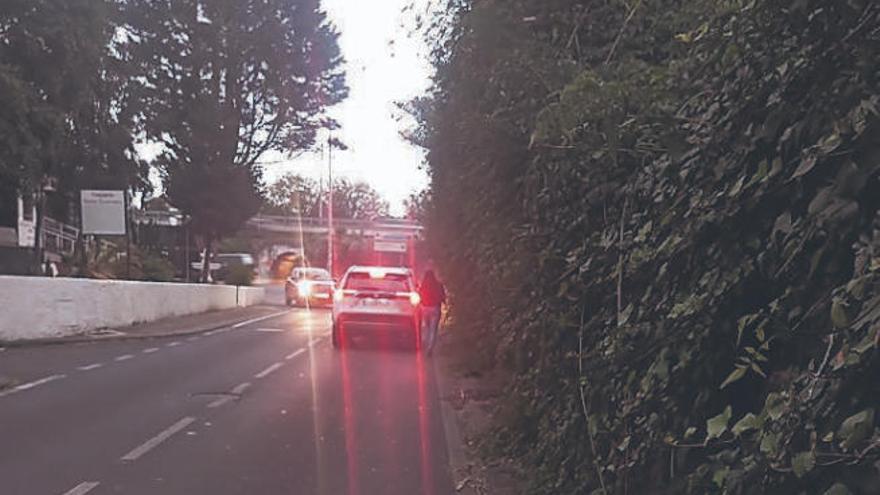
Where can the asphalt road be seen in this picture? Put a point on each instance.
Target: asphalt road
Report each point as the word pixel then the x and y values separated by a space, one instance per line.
pixel 268 407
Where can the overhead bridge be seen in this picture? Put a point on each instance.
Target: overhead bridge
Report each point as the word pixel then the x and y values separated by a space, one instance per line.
pixel 267 225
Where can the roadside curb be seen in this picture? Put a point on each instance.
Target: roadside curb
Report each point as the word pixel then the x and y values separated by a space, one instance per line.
pixel 121 336
pixel 454 443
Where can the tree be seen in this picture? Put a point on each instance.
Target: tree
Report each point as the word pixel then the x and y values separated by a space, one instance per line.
pixel 653 212
pixel 417 205
pixel 224 82
pixel 295 194
pixel 63 112
pixel 357 200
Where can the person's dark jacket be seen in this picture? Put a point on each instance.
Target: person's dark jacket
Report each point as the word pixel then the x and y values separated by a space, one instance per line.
pixel 432 292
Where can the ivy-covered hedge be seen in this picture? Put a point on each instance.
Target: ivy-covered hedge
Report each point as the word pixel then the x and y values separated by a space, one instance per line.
pixel 662 216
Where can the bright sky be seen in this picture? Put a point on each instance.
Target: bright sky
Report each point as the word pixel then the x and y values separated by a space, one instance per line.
pixel 384 65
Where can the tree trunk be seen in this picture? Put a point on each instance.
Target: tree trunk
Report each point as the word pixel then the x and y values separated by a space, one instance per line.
pixel 206 262
pixel 38 235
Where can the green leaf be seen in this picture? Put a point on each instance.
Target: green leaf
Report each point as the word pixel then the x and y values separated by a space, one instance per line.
pixel 838 489
pixel 624 315
pixel 593 424
pixel 743 323
pixel 715 427
pixel 690 432
pixel 830 143
pixel 735 375
pixel 806 165
pixel 770 444
pixel 856 428
pixel 719 476
pixel 803 463
pixel 747 423
pixel 838 314
pixel 774 406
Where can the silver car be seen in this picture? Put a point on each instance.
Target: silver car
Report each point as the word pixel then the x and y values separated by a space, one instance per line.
pixel 309 287
pixel 372 301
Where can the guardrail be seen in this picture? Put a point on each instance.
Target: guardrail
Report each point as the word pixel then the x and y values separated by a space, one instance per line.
pixel 59 237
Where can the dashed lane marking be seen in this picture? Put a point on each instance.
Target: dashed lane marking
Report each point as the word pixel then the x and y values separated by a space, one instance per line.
pixel 266 372
pixel 33 384
pixel 90 367
pixel 151 350
pixel 124 357
pixel 240 388
pixel 193 338
pixel 294 354
pixel 173 344
pixel 219 402
pixel 158 439
pixel 82 488
pixel 236 391
pixel 270 330
pixel 255 320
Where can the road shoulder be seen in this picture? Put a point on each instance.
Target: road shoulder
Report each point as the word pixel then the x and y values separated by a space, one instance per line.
pixel 469 402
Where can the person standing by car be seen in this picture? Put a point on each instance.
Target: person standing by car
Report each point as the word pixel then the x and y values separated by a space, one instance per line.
pixel 433 295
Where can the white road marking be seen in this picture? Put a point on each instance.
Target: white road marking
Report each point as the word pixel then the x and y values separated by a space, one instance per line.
pixel 172 344
pixel 269 330
pixel 294 354
pixel 151 350
pixel 212 332
pixel 238 390
pixel 82 488
pixel 193 338
pixel 255 320
pixel 316 342
pixel 267 371
pixel 219 402
pixel 158 439
pixel 2 349
pixel 124 357
pixel 30 385
pixel 90 367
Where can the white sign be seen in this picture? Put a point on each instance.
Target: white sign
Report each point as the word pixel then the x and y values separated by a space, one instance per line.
pixel 103 212
pixel 27 233
pixel 389 247
pixel 27 227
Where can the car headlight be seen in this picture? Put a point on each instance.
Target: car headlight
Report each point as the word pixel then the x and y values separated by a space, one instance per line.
pixel 304 288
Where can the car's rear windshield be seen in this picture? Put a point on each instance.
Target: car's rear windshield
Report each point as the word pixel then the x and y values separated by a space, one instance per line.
pixel 390 282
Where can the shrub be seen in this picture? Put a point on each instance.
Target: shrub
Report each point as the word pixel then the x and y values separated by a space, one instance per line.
pixel 240 275
pixel 157 269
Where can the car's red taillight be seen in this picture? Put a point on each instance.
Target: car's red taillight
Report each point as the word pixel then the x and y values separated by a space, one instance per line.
pixel 414 298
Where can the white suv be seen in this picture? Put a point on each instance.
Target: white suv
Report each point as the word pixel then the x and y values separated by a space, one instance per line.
pixel 372 300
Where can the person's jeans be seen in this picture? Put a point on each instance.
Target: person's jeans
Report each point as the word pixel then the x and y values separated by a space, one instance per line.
pixel 430 322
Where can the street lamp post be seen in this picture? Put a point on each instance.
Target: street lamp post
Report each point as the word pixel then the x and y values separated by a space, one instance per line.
pixel 330 205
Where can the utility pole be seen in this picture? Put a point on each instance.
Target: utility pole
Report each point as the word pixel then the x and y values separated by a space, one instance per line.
pixel 330 204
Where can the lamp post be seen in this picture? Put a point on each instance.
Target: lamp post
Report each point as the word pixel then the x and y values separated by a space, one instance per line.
pixel 330 204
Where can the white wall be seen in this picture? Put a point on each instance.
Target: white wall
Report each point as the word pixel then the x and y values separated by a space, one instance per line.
pixel 38 307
